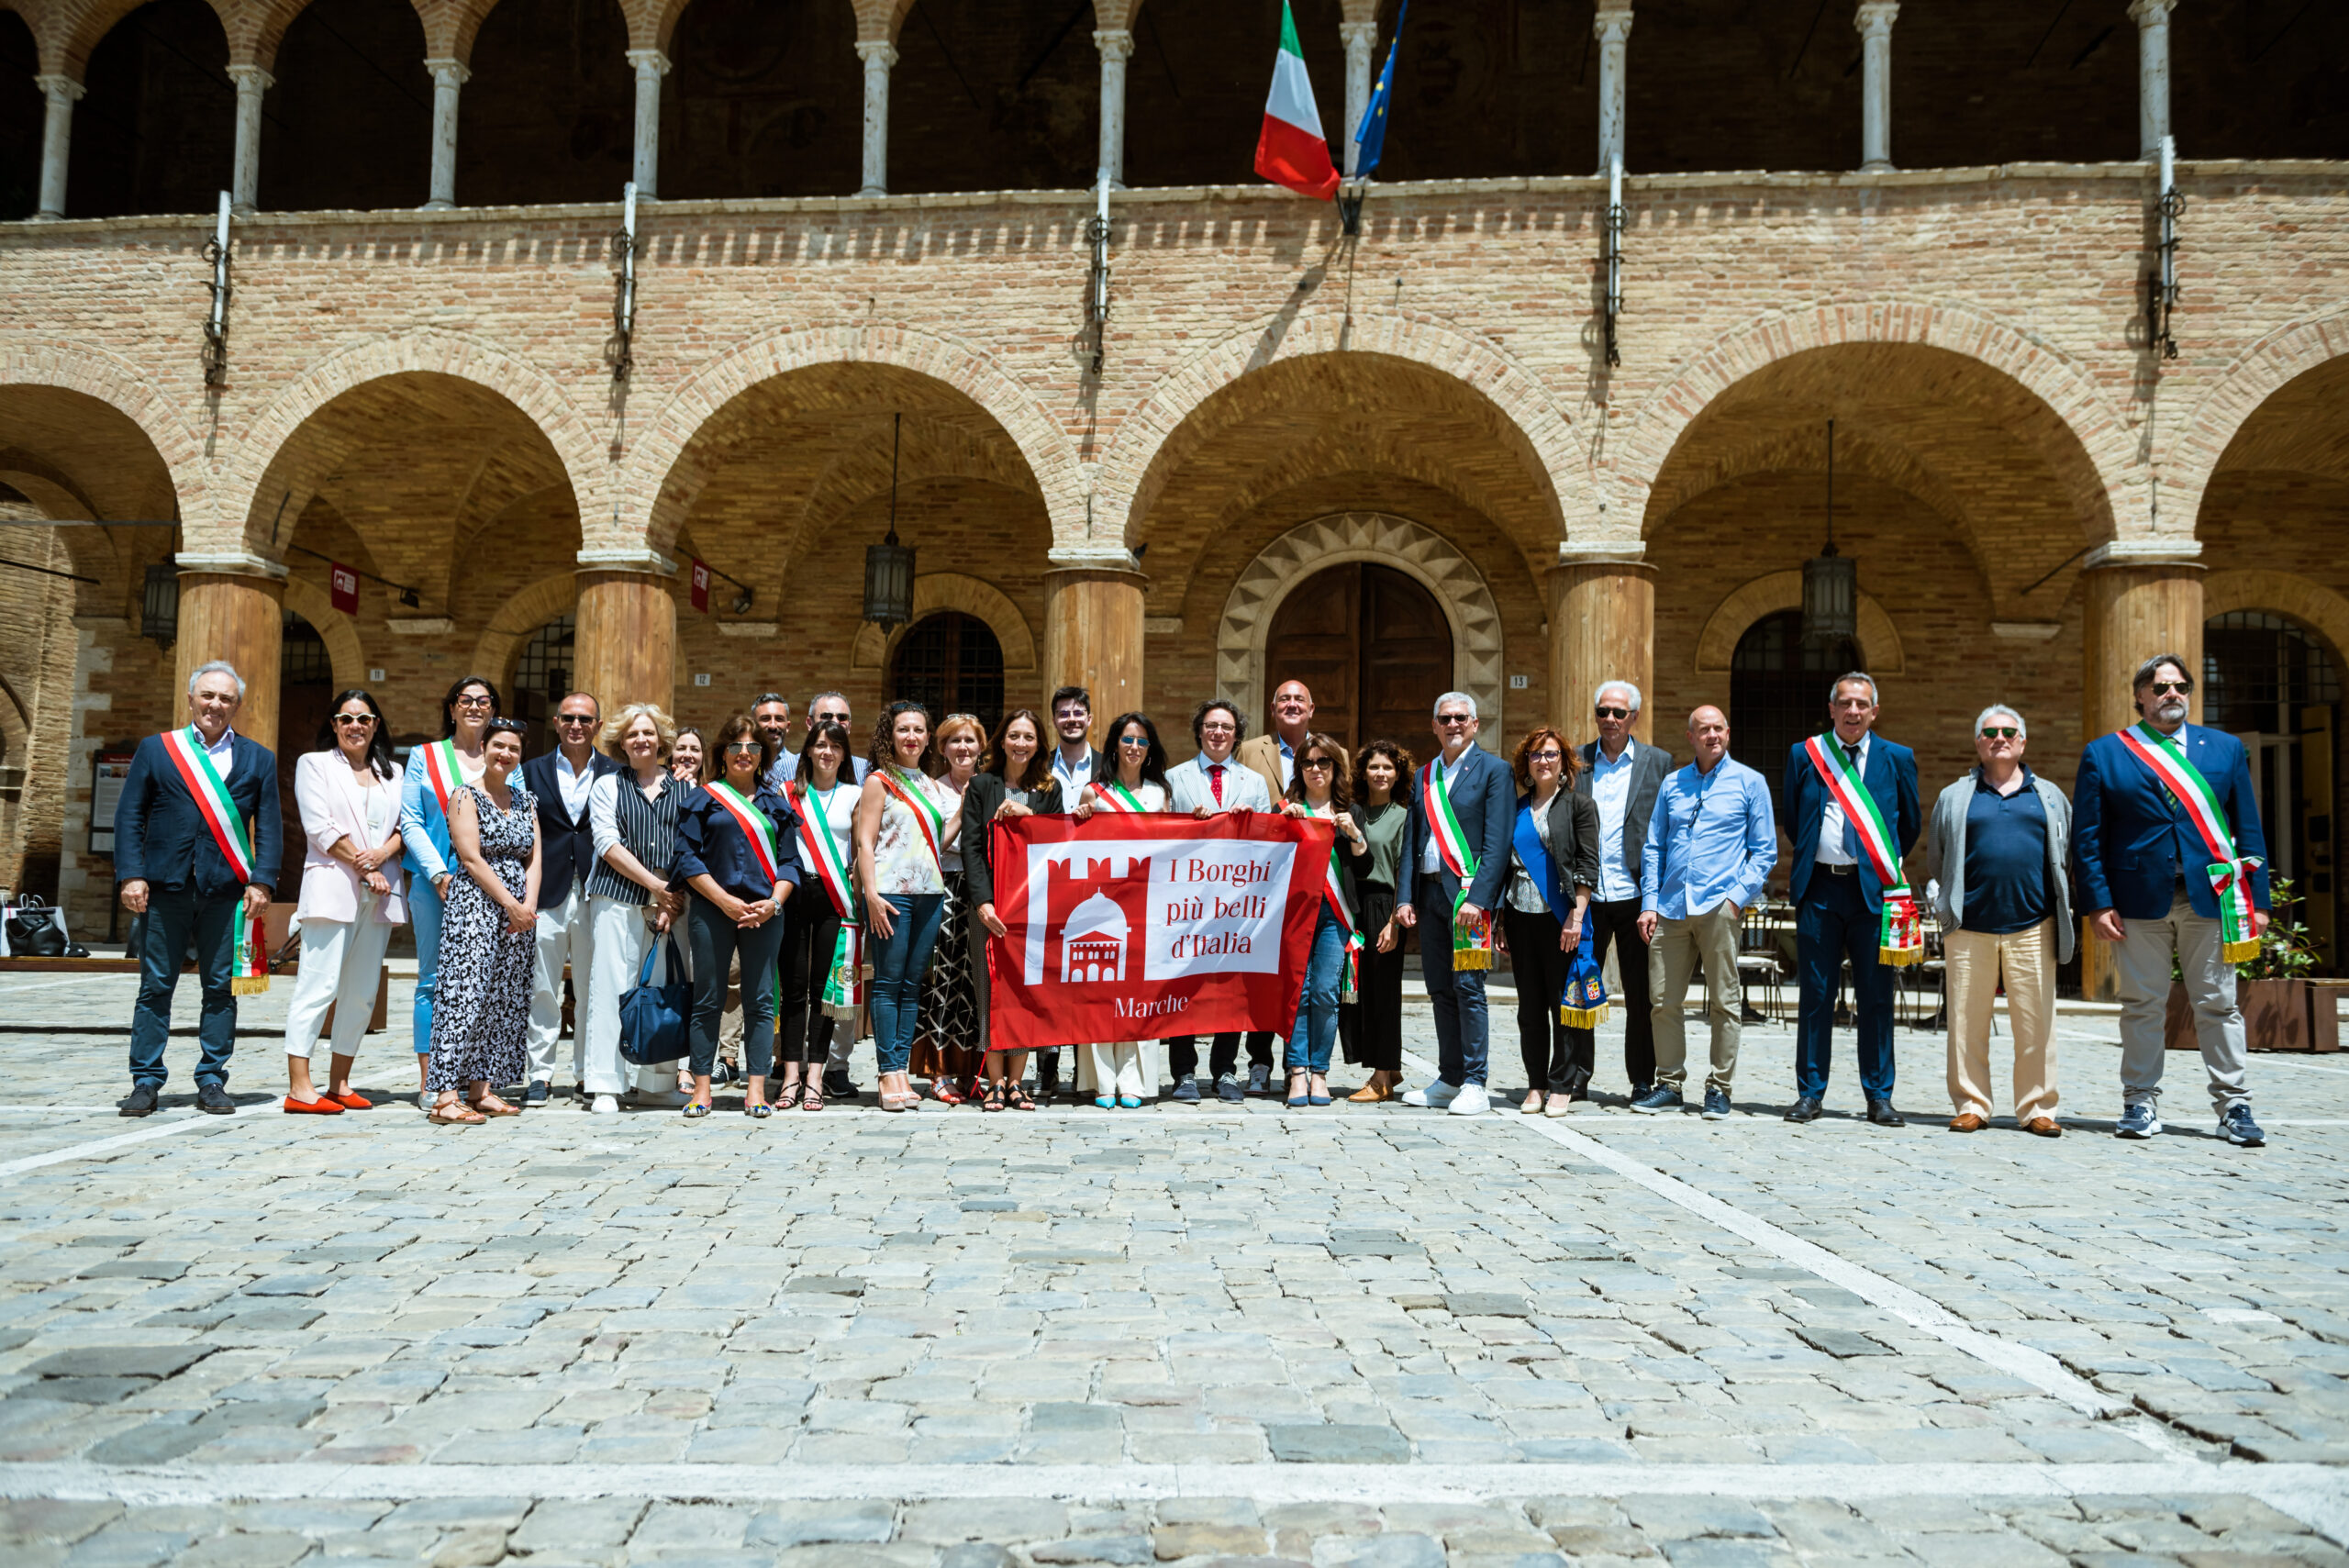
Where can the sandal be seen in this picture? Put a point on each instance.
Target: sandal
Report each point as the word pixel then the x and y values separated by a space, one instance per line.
pixel 813 1099
pixel 1016 1097
pixel 757 1109
pixel 696 1109
pixel 789 1100
pixel 451 1112
pixel 993 1100
pixel 945 1093
pixel 490 1105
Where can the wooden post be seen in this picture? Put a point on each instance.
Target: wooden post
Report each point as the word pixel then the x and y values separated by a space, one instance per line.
pixel 1602 627
pixel 627 641
pixel 1093 636
pixel 237 616
pixel 2135 610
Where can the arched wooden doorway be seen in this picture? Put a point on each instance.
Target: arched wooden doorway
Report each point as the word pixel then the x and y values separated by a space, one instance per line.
pixel 949 662
pixel 304 698
pixel 1373 646
pixel 2275 688
pixel 1778 690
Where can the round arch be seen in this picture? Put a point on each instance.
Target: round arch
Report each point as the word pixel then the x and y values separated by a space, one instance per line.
pixel 1717 644
pixel 521 615
pixel 335 628
pixel 1131 472
pixel 1386 541
pixel 2312 604
pixel 939 591
pixel 113 381
pixel 2242 389
pixel 2091 462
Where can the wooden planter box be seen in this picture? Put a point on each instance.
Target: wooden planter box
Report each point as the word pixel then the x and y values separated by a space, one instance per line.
pixel 2277 1015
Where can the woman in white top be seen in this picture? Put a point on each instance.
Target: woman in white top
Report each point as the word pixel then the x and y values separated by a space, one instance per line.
pixel 903 828
pixel 351 888
pixel 632 820
pixel 824 798
pixel 1128 775
pixel 950 1048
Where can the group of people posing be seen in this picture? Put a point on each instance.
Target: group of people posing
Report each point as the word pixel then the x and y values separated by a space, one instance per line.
pixel 822 886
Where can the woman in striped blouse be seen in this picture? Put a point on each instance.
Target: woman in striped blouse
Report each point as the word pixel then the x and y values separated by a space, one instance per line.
pixel 632 816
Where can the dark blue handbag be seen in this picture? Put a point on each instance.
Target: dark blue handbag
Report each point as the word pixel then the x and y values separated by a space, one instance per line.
pixel 652 1017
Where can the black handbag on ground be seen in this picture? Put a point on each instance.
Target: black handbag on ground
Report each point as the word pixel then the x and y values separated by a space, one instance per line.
pixel 652 1017
pixel 35 930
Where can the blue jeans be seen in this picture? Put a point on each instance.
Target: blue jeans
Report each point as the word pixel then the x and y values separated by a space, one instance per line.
pixel 424 915
pixel 173 915
pixel 1315 1029
pixel 1462 1029
pixel 1834 923
pixel 899 961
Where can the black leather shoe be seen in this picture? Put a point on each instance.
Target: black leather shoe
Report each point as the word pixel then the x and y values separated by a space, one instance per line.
pixel 139 1102
pixel 1881 1113
pixel 838 1085
pixel 1805 1109
pixel 214 1099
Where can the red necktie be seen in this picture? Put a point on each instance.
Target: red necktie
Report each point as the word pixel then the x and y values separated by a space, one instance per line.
pixel 1215 781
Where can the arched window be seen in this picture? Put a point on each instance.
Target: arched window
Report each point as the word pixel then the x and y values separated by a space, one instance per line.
pixel 949 662
pixel 304 698
pixel 2260 670
pixel 304 661
pixel 2270 683
pixel 1778 690
pixel 543 671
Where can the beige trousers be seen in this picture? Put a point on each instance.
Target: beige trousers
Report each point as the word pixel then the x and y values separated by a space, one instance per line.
pixel 2027 958
pixel 1710 940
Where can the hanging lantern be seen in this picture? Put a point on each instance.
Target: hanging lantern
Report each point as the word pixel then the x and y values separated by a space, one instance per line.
pixel 889 566
pixel 159 606
pixel 1831 581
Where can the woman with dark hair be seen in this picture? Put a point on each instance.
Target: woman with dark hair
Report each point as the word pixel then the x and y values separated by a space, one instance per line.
pixel 1319 789
pixel 436 772
pixel 351 896
pixel 687 764
pixel 904 824
pixel 950 1008
pixel 1553 868
pixel 488 949
pixel 823 799
pixel 1016 779
pixel 1128 775
pixel 738 849
pixel 1370 1028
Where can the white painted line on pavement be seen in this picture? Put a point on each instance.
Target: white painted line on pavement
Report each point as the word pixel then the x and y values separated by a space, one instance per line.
pixel 19 987
pixel 93 1149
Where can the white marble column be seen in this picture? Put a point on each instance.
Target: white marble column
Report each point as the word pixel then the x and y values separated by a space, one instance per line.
pixel 448 75
pixel 650 66
pixel 878 55
pixel 1361 39
pixel 244 177
pixel 2152 17
pixel 1116 47
pixel 1875 24
pixel 1612 27
pixel 56 141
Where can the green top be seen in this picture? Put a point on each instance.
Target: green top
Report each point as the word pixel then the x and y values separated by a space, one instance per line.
pixel 1383 826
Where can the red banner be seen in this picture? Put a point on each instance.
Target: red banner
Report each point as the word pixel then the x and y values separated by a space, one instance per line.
pixel 701 587
pixel 343 585
pixel 1142 928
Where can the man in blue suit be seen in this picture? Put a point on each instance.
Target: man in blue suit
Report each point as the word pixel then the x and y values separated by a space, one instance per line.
pixel 1839 898
pixel 170 867
pixel 1483 796
pixel 2144 879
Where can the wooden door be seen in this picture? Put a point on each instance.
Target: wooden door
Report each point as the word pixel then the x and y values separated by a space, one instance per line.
pixel 1315 638
pixel 1373 647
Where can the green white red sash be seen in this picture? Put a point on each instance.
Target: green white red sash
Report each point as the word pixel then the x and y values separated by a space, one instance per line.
pixel 757 827
pixel 916 800
pixel 1334 894
pixel 1472 940
pixel 845 971
pixel 1902 937
pixel 442 773
pixel 2230 873
pixel 1115 796
pixel 820 848
pixel 249 960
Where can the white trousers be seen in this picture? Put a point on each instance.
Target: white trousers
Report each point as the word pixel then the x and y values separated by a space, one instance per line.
pixel 623 935
pixel 564 937
pixel 342 963
pixel 1111 1070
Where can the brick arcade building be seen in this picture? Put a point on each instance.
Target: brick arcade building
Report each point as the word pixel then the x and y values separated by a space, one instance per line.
pixel 1391 461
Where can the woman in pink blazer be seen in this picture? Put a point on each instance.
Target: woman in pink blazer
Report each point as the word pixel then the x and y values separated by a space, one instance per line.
pixel 349 794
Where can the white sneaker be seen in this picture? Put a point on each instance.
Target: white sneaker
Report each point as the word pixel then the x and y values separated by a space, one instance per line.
pixel 606 1105
pixel 1435 1096
pixel 1471 1101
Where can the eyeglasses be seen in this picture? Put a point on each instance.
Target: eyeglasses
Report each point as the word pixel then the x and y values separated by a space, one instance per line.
pixel 568 719
pixel 474 702
pixel 1551 755
pixel 1614 713
pixel 741 747
pixel 1138 742
pixel 1211 727
pixel 360 719
pixel 2181 687
pixel 1319 764
pixel 1999 732
pixel 1448 720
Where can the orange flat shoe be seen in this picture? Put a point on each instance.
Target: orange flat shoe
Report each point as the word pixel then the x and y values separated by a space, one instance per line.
pixel 1370 1095
pixel 353 1101
pixel 322 1105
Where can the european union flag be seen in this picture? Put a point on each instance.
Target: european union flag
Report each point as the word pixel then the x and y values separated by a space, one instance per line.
pixel 1369 137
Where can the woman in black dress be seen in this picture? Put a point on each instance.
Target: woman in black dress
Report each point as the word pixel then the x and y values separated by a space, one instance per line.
pixel 481 1013
pixel 1371 1027
pixel 1016 779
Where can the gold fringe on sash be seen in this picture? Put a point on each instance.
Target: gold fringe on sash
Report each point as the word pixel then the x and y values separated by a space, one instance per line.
pixel 1583 1017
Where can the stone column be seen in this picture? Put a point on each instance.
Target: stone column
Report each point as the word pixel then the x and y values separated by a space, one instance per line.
pixel 1602 627
pixel 448 75
pixel 244 178
pixel 56 141
pixel 1875 23
pixel 2139 601
pixel 1093 628
pixel 650 66
pixel 878 55
pixel 1116 47
pixel 1612 27
pixel 1361 39
pixel 2152 17
pixel 627 642
pixel 232 606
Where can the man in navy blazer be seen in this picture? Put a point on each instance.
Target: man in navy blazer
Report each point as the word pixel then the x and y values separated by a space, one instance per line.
pixel 559 782
pixel 2145 882
pixel 1838 898
pixel 1484 797
pixel 169 868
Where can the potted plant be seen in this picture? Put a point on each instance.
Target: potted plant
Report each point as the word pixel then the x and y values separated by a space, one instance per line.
pixel 2271 988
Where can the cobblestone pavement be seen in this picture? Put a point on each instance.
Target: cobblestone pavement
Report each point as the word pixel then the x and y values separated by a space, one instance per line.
pixel 1364 1335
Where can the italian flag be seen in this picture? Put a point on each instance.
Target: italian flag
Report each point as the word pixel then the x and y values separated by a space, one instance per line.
pixel 1292 151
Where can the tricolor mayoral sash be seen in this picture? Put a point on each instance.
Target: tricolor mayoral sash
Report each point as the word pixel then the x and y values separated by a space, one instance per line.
pixel 843 991
pixel 249 962
pixel 1334 894
pixel 1902 937
pixel 2230 873
pixel 1472 939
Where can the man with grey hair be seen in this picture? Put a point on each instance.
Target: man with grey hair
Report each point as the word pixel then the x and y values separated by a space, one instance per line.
pixel 1622 776
pixel 196 843
pixel 1455 864
pixel 1999 839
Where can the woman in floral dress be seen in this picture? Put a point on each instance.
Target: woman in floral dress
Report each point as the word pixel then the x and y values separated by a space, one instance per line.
pixel 481 1016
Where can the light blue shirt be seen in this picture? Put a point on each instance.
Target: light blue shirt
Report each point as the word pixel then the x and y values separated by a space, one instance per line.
pixel 1711 842
pixel 1072 779
pixel 1610 791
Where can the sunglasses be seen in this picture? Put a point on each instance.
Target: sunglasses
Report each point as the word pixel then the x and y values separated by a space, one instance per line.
pixel 1318 764
pixel 568 719
pixel 2181 687
pixel 1614 713
pixel 1451 718
pixel 360 719
pixel 1138 742
pixel 838 719
pixel 1999 732
pixel 1551 755
pixel 743 749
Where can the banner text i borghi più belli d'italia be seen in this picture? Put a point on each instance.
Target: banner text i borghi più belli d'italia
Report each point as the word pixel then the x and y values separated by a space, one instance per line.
pixel 1143 927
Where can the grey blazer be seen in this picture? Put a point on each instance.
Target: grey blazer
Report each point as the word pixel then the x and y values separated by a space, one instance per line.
pixel 1244 786
pixel 1650 765
pixel 1945 846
